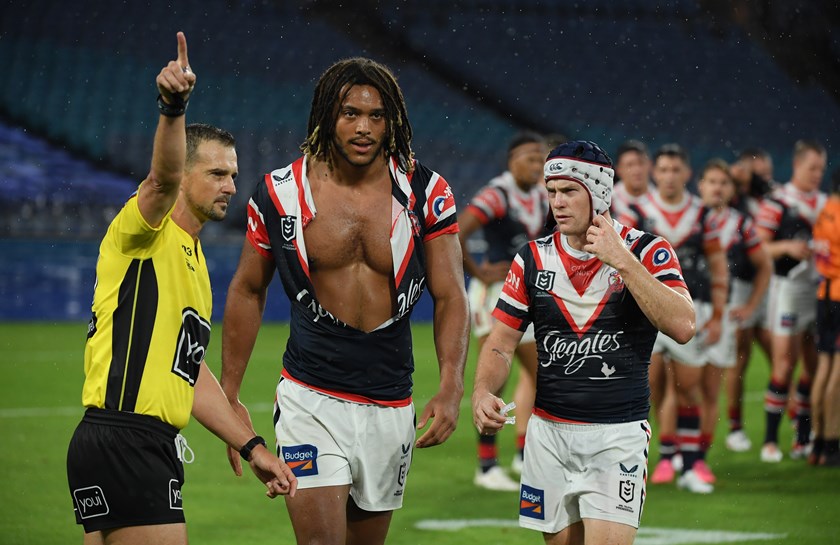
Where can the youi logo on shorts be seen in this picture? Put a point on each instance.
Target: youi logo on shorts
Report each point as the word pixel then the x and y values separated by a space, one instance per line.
pixel 90 502
pixel 531 502
pixel 301 459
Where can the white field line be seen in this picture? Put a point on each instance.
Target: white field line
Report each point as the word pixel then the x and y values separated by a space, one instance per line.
pixel 645 536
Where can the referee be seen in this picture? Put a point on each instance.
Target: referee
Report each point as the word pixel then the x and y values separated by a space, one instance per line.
pixel 144 356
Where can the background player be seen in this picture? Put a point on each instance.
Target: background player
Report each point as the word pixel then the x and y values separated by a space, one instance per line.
pixel 784 222
pixel 750 269
pixel 510 210
pixel 682 219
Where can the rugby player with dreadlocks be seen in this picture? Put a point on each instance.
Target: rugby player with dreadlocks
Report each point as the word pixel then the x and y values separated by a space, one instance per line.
pixel 357 229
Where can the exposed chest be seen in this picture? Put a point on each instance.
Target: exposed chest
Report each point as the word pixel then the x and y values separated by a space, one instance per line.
pixel 350 226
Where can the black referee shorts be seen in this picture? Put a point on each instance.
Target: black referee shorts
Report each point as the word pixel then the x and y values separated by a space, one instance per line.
pixel 123 470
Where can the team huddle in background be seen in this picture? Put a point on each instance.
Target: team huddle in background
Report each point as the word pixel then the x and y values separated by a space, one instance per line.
pixel 612 285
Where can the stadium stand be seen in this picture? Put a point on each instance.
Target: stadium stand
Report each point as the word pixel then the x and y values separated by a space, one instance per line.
pixel 473 72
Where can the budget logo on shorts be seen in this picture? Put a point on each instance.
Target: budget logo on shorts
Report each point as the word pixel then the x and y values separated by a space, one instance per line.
pixel 90 502
pixel 789 320
pixel 175 499
pixel 545 280
pixel 531 502
pixel 301 459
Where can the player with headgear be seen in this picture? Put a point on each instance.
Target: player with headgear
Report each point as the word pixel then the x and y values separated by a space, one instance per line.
pixel 597 293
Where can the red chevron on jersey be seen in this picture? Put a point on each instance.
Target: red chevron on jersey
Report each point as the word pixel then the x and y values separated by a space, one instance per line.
pixel 593 340
pixel 584 284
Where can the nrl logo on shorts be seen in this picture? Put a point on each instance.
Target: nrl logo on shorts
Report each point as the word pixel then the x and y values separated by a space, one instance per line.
pixel 626 490
pixel 287 224
pixel 545 280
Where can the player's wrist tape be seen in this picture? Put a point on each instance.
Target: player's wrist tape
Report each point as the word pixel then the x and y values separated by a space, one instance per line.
pixel 175 109
pixel 245 451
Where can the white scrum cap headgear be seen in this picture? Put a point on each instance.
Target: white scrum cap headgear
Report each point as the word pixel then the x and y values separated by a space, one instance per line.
pixel 586 163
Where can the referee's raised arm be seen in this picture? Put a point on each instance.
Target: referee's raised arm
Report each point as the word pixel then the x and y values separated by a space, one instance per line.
pixel 158 192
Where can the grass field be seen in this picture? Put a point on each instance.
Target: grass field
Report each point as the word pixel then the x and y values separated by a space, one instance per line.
pixel 40 382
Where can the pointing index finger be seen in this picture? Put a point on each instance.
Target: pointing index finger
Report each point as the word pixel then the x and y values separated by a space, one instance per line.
pixel 182 51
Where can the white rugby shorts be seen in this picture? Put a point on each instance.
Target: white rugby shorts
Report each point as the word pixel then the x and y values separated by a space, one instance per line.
pixel 739 294
pixel 694 353
pixel 328 441
pixel 483 301
pixel 792 305
pixel 577 471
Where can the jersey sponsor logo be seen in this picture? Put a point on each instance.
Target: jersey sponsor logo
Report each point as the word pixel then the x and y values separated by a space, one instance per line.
pixel 626 490
pixel 306 299
pixel 438 206
pixel 401 473
pixel 92 326
pixel 90 502
pixel 191 346
pixel 531 501
pixel 573 354
pixel 175 499
pixel 301 459
pixel 407 299
pixel 661 256
pixel 545 280
pixel 287 225
pixel 513 280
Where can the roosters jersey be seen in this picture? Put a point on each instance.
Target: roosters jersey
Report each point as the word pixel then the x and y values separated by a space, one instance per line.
pixel 739 239
pixel 322 351
pixel 622 199
pixel 689 227
pixel 510 216
pixel 593 340
pixel 790 214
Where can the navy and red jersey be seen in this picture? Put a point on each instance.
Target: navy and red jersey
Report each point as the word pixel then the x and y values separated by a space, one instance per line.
pixel 739 239
pixel 323 352
pixel 790 214
pixel 622 199
pixel 690 228
pixel 593 340
pixel 510 216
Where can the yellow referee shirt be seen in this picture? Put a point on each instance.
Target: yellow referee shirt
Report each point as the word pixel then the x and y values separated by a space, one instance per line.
pixel 151 319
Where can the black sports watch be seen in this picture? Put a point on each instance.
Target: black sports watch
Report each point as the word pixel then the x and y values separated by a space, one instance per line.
pixel 245 451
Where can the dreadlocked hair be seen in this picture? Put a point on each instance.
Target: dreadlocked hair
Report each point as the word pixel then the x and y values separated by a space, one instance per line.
pixel 330 92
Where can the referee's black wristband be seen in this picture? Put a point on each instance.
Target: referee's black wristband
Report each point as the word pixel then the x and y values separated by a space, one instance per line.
pixel 177 108
pixel 245 451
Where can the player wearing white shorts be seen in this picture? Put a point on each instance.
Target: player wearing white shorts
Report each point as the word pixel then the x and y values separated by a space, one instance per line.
pixel 596 292
pixel 750 268
pixel 509 211
pixel 682 372
pixel 356 229
pixel 784 222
